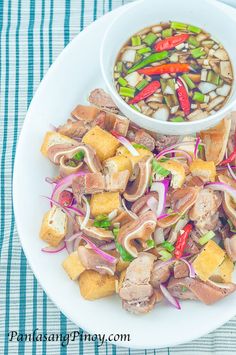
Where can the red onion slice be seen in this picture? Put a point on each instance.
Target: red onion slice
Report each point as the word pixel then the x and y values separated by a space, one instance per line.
pixel 87 215
pixel 222 168
pixel 64 183
pixel 169 297
pixel 190 267
pixel 124 141
pixel 152 204
pixel 111 259
pixel 229 167
pixel 183 152
pixel 220 186
pixel 196 147
pixel 75 210
pixel 176 145
pixel 109 246
pixel 161 187
pixel 54 250
pixel 50 180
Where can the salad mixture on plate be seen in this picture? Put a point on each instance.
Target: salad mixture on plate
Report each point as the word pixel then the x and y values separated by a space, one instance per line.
pixel 174 71
pixel 144 216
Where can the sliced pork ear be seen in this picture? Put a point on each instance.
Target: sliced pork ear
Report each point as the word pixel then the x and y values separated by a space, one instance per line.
pixel 91 183
pixel 90 158
pixel 138 188
pixel 123 218
pixel 85 113
pixel 94 232
pixel 206 292
pixel 140 206
pixel 228 203
pixel 204 211
pixel 136 291
pixel 56 151
pixel 140 229
pixel 93 261
pixel 144 138
pixel 230 247
pixel 74 129
pixel 101 99
pixel 160 273
pixel 180 270
pixel 215 140
pixel 181 201
pixel 66 169
pixel 118 123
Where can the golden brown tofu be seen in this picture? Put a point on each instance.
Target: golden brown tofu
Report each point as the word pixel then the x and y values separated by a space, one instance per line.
pixel 204 169
pixel 94 285
pixel 177 172
pixel 224 272
pixel 210 257
pixel 104 203
pixel 104 143
pixel 117 164
pixel 73 266
pixel 54 226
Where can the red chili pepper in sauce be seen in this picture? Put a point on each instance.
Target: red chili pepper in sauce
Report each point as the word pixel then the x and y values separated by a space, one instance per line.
pixel 149 90
pixel 183 97
pixel 230 159
pixel 166 69
pixel 171 42
pixel 65 198
pixel 182 241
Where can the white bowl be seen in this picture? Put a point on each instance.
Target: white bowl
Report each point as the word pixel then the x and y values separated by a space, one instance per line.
pixel 203 13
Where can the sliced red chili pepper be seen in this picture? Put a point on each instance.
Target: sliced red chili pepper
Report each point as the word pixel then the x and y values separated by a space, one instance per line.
pixel 230 159
pixel 166 69
pixel 183 97
pixel 182 241
pixel 171 42
pixel 146 92
pixel 65 198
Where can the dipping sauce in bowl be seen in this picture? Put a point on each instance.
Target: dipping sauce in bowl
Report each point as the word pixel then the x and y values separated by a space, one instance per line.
pixel 174 72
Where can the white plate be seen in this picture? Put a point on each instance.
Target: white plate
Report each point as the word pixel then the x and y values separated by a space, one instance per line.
pixel 68 82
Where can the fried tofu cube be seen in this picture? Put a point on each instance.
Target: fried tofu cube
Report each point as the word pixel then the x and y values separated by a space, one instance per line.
pixel 104 143
pixel 206 263
pixel 54 226
pixel 224 272
pixel 52 138
pixel 94 285
pixel 177 171
pixel 73 266
pixel 104 203
pixel 204 169
pixel 117 164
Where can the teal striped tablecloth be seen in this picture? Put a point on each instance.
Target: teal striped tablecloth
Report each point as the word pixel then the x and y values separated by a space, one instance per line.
pixel 32 34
